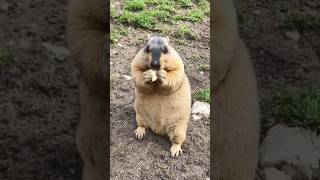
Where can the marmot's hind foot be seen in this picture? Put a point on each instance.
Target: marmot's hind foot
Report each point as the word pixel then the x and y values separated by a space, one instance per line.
pixel 175 150
pixel 140 132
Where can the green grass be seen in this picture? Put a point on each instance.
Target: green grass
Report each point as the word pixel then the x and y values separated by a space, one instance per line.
pixel 195 15
pixel 149 14
pixel 185 33
pixel 181 42
pixel 195 57
pixel 163 29
pixel 300 22
pixel 126 17
pixel 204 5
pixel 134 5
pixel 116 34
pixel 203 95
pixel 203 67
pixel 113 12
pixel 185 3
pixel 157 2
pixel 145 19
pixel 6 57
pixel 299 108
pixel 165 7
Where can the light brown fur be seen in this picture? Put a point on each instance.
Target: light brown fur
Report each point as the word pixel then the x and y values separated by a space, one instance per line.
pixel 163 106
pixel 235 105
pixel 87 35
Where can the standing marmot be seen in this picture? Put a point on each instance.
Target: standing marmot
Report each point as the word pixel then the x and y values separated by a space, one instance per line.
pixel 235 126
pixel 162 92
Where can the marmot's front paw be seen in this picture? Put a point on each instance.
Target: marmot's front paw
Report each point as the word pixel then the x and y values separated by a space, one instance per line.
pixel 162 75
pixel 175 150
pixel 140 132
pixel 149 76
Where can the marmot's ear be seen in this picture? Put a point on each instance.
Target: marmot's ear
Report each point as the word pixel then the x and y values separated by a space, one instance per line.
pixel 164 49
pixel 147 48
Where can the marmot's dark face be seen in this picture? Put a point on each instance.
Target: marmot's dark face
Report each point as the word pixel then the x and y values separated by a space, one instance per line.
pixel 155 48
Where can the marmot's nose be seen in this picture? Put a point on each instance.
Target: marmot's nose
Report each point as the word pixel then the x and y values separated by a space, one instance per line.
pixel 155 65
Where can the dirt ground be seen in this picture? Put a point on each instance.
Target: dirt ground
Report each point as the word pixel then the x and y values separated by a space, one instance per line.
pixel 281 63
pixel 150 158
pixel 39 107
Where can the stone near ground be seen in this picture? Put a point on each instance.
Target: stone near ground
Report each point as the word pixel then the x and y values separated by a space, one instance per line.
pixel 4 5
pixel 120 45
pixel 274 174
pixel 56 52
pixel 195 117
pixel 305 169
pixel 291 144
pixel 296 172
pixel 294 35
pixel 201 108
pixel 257 12
pixel 128 78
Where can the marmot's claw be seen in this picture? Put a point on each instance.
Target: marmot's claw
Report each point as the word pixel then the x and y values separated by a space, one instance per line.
pixel 140 132
pixel 175 150
pixel 162 74
pixel 149 76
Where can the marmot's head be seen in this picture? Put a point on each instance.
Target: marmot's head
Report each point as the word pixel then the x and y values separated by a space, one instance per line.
pixel 156 47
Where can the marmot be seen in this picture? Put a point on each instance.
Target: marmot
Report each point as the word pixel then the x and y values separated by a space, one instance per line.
pixel 87 35
pixel 235 126
pixel 162 92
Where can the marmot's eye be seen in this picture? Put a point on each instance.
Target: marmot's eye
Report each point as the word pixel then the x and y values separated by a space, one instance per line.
pixel 147 48
pixel 164 50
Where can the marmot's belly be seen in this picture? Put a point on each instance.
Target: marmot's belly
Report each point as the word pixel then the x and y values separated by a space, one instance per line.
pixel 160 114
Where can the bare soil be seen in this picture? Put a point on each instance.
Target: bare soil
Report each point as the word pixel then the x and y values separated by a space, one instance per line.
pixel 281 63
pixel 39 108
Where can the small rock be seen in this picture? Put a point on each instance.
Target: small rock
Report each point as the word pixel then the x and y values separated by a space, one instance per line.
pixel 127 77
pixel 293 145
pixel 163 166
pixel 59 53
pixel 294 35
pixel 274 174
pixel 295 172
pixel 257 12
pixel 4 6
pixel 120 45
pixel 201 72
pixel 195 117
pixel 202 108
